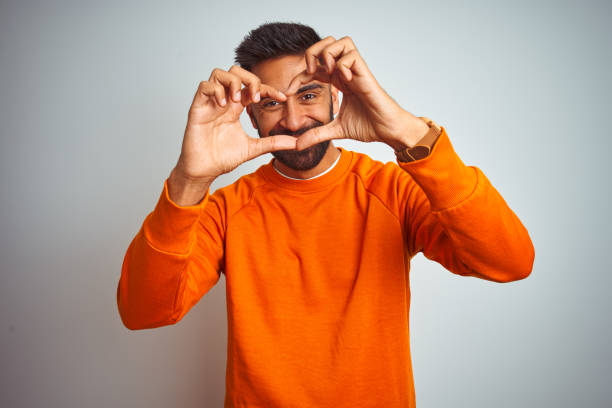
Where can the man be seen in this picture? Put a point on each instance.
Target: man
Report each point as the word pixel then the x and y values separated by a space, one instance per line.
pixel 316 244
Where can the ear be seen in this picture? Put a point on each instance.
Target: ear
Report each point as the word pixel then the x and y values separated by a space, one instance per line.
pixel 335 103
pixel 250 112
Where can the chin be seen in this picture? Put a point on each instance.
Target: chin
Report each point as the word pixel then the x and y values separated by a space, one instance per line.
pixel 303 159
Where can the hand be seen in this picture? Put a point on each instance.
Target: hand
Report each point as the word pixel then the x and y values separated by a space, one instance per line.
pixel 367 113
pixel 215 142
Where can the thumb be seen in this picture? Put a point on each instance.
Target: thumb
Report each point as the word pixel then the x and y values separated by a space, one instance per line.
pixel 319 134
pixel 268 144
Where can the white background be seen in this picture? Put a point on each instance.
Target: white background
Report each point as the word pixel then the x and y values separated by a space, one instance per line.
pixel 93 104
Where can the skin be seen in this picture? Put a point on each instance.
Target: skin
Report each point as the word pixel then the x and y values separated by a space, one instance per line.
pixel 215 142
pixel 301 111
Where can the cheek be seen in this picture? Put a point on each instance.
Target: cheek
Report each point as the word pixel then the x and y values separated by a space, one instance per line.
pixel 321 112
pixel 268 122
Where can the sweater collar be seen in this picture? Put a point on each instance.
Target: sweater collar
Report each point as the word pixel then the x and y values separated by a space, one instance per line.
pixel 310 178
pixel 313 184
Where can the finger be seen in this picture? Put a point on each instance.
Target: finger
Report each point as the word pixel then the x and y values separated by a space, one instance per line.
pixel 346 73
pixel 229 81
pixel 268 91
pixel 336 50
pixel 206 91
pixel 257 147
pixel 319 134
pixel 346 64
pixel 304 77
pixel 249 79
pixel 312 53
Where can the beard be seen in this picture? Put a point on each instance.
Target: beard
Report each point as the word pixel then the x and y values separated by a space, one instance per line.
pixel 301 159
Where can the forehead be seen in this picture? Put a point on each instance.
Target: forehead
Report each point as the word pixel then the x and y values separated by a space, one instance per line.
pixel 278 72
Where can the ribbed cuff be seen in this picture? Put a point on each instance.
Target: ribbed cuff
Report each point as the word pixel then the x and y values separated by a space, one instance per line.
pixel 169 227
pixel 444 178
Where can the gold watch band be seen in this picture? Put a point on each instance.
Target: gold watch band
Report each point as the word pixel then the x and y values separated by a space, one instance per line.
pixel 422 148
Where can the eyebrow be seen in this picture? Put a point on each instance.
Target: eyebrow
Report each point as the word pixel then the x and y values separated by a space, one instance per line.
pixel 309 87
pixel 299 91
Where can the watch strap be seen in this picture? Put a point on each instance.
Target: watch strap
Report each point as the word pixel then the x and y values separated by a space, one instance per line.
pixel 423 147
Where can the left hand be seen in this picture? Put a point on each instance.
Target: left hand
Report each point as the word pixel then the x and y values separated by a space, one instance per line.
pixel 367 113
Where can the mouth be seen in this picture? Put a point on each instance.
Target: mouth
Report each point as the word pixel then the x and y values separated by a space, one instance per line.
pixel 296 133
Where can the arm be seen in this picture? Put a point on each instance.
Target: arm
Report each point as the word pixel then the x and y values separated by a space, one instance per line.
pixel 451 211
pixel 177 255
pixel 176 258
pixel 454 215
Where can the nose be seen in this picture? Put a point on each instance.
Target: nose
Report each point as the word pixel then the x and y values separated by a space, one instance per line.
pixel 294 117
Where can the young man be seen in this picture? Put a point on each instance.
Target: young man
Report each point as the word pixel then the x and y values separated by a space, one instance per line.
pixel 316 244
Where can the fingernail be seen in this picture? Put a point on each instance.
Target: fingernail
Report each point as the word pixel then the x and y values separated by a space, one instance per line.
pixel 257 97
pixel 237 96
pixel 223 102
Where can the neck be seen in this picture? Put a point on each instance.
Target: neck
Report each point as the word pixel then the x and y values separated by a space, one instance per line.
pixel 326 162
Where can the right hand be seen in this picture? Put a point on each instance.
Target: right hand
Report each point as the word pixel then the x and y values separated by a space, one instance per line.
pixel 215 142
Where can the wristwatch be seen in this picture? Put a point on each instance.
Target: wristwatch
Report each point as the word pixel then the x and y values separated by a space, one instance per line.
pixel 423 146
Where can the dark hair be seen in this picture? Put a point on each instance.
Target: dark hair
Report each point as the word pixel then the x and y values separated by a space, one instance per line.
pixel 272 40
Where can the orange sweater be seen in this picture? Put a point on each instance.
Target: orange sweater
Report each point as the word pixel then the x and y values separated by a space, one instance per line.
pixel 317 271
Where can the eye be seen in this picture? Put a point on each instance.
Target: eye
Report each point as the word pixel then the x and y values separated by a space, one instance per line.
pixel 309 96
pixel 270 104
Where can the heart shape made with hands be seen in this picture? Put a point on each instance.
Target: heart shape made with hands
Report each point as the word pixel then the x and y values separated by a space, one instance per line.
pixel 367 112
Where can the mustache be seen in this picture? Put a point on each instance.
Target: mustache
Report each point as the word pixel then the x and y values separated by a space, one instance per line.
pixel 298 132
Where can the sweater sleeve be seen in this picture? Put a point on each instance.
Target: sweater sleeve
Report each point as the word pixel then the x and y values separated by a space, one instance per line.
pixel 174 259
pixel 453 214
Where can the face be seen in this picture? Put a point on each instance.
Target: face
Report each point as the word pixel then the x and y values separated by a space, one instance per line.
pixel 313 105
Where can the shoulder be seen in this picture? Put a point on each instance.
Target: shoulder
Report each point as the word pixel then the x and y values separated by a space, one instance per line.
pixel 388 182
pixel 376 174
pixel 234 196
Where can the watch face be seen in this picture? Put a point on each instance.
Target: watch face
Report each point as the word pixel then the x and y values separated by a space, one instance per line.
pixel 413 153
pixel 419 152
pixel 422 150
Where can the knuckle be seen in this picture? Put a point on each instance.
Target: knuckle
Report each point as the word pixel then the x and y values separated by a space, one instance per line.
pixel 234 79
pixel 273 143
pixel 230 81
pixel 348 41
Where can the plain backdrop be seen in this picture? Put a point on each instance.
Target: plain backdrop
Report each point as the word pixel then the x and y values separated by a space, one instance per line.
pixel 93 105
